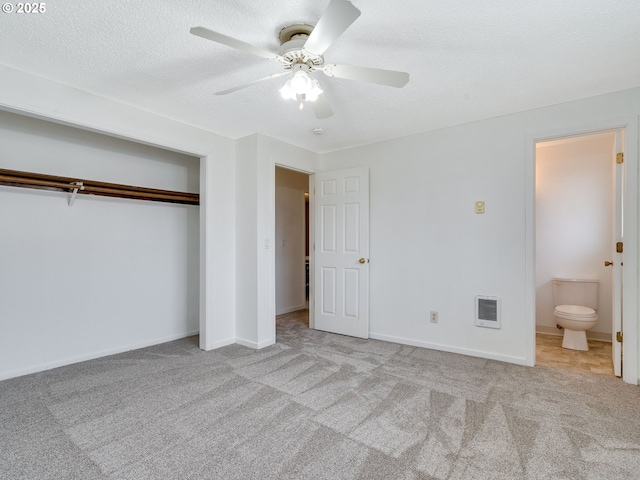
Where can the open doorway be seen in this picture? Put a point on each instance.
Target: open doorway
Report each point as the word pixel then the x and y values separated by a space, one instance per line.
pixel 292 246
pixel 575 224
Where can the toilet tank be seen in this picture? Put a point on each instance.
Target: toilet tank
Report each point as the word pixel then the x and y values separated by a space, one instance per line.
pixel 575 291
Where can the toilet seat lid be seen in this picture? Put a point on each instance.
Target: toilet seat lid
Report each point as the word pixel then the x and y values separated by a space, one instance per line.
pixel 575 311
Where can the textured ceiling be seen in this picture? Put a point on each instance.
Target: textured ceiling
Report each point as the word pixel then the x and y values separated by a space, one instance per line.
pixel 468 60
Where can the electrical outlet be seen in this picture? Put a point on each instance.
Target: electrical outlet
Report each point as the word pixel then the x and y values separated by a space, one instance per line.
pixel 434 317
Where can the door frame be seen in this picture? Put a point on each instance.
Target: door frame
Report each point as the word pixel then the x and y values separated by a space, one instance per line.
pixel 273 236
pixel 312 248
pixel 631 202
pixel 303 299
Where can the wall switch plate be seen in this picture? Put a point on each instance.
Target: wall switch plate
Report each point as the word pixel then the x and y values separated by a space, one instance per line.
pixel 433 317
pixel 480 206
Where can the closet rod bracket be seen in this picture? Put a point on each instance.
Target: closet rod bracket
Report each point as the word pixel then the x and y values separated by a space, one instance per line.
pixel 76 186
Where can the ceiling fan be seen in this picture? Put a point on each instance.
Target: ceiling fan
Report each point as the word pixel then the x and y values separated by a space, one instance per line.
pixel 301 50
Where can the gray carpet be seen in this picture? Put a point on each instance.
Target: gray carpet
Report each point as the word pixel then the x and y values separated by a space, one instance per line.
pixel 315 406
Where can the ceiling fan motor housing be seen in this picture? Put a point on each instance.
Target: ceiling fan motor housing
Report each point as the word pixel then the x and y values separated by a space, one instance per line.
pixel 292 41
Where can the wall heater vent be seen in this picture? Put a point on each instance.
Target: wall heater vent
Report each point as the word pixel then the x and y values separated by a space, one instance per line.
pixel 488 312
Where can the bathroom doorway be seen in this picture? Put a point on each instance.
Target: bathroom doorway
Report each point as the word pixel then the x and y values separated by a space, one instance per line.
pixel 292 245
pixel 576 229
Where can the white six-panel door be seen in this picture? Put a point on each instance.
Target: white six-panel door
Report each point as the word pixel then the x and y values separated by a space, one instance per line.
pixel 341 252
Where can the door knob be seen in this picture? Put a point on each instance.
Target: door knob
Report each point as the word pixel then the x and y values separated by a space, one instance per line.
pixel 362 260
pixel 607 263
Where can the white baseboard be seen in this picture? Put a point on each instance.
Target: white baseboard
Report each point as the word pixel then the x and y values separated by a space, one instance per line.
pixel 254 345
pixel 600 336
pixel 282 311
pixel 449 348
pixel 93 355
pixel 591 335
pixel 221 343
pixel 547 330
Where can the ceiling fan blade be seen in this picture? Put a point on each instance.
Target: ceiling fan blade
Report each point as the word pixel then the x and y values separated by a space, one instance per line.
pixel 321 107
pixel 338 16
pixel 240 87
pixel 390 78
pixel 232 42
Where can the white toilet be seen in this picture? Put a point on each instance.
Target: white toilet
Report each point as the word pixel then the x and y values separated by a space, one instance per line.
pixel 576 304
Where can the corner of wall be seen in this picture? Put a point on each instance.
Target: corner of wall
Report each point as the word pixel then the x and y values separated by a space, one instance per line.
pixel 218 309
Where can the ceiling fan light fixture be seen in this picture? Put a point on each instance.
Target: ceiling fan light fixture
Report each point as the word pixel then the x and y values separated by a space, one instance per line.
pixel 301 82
pixel 301 87
pixel 313 94
pixel 287 92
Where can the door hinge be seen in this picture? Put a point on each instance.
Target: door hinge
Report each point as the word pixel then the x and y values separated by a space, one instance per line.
pixel 619 247
pixel 619 157
pixel 619 337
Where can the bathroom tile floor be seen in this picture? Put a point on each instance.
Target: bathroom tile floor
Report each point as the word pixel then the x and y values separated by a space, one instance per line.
pixel 549 352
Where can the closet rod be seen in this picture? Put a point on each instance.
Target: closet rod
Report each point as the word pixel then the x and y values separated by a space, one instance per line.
pixel 38 180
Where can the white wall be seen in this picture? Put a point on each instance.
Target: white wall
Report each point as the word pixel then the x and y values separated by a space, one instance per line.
pixel 574 222
pixel 218 247
pixel 257 157
pixel 430 251
pixel 247 242
pixel 22 92
pixel 272 152
pixel 104 275
pixel 290 240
